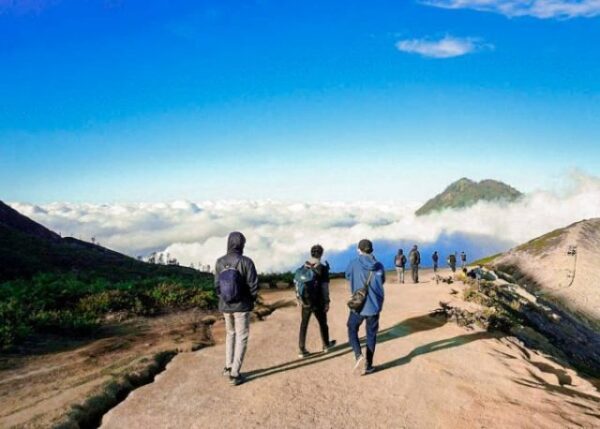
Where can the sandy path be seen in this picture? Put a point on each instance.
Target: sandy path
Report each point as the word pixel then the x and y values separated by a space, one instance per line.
pixel 431 374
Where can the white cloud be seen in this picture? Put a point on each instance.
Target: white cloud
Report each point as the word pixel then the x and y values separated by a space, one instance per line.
pixel 446 47
pixel 280 234
pixel 543 9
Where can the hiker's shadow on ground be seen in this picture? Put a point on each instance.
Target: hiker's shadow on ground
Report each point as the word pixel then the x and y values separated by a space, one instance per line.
pixel 409 326
pixel 435 346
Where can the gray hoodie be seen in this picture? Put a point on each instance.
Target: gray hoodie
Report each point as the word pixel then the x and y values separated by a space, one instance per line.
pixel 235 255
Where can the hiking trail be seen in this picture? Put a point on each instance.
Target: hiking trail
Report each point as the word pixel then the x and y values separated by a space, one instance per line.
pixel 430 374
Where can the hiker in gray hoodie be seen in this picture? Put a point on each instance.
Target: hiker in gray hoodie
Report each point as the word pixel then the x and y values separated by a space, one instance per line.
pixel 236 283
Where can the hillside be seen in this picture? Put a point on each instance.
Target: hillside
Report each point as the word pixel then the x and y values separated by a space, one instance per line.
pixel 28 248
pixel 466 192
pixel 550 268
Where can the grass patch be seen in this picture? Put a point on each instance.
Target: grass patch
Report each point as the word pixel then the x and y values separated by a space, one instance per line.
pixel 487 260
pixel 540 244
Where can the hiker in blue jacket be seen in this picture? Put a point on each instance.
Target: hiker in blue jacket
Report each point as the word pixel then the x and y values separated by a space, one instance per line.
pixel 362 270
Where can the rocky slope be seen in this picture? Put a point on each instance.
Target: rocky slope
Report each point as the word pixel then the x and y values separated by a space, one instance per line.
pixel 547 294
pixel 466 192
pixel 562 266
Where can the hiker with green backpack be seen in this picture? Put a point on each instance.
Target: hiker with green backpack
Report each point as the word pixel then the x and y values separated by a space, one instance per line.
pixel 312 292
pixel 366 276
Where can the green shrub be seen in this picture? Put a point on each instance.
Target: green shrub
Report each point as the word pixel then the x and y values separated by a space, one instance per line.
pixel 68 303
pixel 14 325
pixel 64 321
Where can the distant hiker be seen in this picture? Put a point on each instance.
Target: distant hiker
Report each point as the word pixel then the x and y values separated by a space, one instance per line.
pixel 366 276
pixel 312 291
pixel 463 260
pixel 400 263
pixel 415 260
pixel 452 262
pixel 435 258
pixel 237 287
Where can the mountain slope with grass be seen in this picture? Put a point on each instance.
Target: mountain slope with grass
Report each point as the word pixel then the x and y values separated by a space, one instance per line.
pixel 55 285
pixel 562 266
pixel 465 193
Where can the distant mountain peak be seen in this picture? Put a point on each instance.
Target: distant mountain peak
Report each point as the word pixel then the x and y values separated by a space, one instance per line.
pixel 466 192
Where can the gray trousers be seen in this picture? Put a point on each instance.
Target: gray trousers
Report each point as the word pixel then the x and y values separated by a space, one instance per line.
pixel 415 273
pixel 237 326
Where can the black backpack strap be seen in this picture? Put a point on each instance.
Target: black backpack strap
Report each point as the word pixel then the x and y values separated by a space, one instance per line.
pixel 368 282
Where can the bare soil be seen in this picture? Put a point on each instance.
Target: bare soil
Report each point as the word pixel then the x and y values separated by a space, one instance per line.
pixel 430 374
pixel 38 388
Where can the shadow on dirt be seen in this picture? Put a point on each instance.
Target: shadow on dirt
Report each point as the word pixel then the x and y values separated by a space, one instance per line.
pixel 410 326
pixel 437 346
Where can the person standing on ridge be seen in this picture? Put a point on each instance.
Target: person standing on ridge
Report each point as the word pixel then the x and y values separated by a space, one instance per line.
pixel 452 262
pixel 435 258
pixel 400 263
pixel 414 258
pixel 463 260
pixel 365 271
pixel 312 290
pixel 236 283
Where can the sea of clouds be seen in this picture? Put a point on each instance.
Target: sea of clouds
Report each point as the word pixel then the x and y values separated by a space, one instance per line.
pixel 279 234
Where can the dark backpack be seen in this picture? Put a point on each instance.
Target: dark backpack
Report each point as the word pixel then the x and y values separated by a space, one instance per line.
pixel 414 257
pixel 231 284
pixel 306 282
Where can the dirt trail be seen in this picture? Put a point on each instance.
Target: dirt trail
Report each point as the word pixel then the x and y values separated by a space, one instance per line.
pixel 430 374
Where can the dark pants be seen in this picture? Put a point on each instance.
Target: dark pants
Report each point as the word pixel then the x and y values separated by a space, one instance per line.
pixel 321 316
pixel 354 322
pixel 415 273
pixel 435 267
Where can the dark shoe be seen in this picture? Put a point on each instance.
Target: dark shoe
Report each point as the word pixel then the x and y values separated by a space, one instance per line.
pixel 236 381
pixel 328 347
pixel 226 372
pixel 303 354
pixel 368 370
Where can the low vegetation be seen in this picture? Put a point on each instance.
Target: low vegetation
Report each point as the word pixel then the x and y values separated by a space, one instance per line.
pixel 74 305
pixel 288 277
pixel 543 243
pixel 487 260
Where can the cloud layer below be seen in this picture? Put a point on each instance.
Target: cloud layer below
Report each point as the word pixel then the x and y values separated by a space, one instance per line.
pixel 543 9
pixel 446 47
pixel 280 234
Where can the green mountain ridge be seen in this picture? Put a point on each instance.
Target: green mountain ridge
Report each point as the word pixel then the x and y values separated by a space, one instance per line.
pixel 465 193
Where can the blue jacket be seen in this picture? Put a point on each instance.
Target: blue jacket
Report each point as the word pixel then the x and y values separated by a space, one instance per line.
pixel 358 272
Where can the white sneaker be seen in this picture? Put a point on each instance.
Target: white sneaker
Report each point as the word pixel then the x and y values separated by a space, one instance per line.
pixel 358 363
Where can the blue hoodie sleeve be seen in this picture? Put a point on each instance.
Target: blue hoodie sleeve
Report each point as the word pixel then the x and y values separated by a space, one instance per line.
pixel 349 271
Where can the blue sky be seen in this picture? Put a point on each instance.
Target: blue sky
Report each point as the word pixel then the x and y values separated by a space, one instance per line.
pixel 104 101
